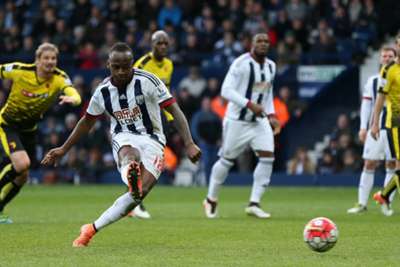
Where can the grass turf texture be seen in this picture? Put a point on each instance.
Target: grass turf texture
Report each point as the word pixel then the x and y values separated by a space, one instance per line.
pixel 47 219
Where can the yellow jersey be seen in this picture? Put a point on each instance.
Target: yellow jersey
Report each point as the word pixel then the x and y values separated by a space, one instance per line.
pixel 162 69
pixel 390 79
pixel 30 97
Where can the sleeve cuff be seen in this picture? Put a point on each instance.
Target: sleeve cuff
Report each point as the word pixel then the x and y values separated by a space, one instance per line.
pixel 167 103
pixel 90 116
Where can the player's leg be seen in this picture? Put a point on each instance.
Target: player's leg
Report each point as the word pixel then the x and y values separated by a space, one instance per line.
pixel 263 144
pixel 374 150
pixel 138 173
pixel 390 166
pixel 235 140
pixel 364 187
pixel 13 175
pixel 382 197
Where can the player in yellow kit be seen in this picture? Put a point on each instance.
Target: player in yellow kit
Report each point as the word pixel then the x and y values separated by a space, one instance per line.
pixel 389 92
pixel 35 87
pixel 156 62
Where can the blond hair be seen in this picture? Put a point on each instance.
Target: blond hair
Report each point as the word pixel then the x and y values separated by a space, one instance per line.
pixel 389 48
pixel 45 47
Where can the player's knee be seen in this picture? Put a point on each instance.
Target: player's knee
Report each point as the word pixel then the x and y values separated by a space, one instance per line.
pixel 127 154
pixel 370 165
pixel 22 165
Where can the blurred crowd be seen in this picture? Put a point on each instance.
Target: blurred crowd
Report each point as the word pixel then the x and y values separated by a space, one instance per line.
pixel 341 154
pixel 202 33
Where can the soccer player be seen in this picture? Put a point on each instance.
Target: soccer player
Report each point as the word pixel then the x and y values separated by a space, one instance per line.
pixel 157 63
pixel 132 98
pixel 374 150
pixel 249 121
pixel 34 89
pixel 389 91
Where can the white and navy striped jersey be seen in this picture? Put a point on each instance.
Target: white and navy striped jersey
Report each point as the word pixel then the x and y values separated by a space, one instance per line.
pixel 368 102
pixel 248 80
pixel 134 109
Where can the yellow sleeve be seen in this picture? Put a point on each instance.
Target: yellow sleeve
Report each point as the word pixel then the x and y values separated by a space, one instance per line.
pixel 71 91
pixel 9 71
pixel 170 74
pixel 386 77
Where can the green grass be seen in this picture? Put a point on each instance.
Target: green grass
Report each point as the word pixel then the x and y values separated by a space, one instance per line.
pixel 47 219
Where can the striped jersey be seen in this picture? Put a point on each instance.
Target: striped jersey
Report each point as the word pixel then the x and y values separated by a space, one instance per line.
pixel 370 94
pixel 135 108
pixel 390 86
pixel 248 80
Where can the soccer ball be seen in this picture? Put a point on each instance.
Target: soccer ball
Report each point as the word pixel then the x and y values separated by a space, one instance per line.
pixel 321 234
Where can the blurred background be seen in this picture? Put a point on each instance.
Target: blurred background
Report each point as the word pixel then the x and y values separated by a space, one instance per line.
pixel 324 50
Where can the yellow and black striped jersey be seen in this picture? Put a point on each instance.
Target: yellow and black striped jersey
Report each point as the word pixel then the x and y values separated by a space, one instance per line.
pixel 162 69
pixel 390 86
pixel 30 97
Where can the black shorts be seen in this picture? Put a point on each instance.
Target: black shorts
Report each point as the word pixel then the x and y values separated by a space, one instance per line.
pixel 15 140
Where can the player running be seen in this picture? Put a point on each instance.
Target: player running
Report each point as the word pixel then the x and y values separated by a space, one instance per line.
pixel 34 89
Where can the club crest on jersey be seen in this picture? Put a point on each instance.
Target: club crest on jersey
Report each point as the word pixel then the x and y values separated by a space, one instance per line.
pixel 139 99
pixel 261 86
pixel 127 117
pixel 34 95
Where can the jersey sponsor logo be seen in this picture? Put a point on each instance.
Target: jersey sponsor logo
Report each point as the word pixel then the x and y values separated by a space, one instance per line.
pixel 127 117
pixel 34 95
pixel 261 87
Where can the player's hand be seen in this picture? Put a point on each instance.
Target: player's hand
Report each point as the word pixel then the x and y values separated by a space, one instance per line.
pixel 362 135
pixel 53 156
pixel 257 109
pixel 193 152
pixel 276 126
pixel 375 131
pixel 64 99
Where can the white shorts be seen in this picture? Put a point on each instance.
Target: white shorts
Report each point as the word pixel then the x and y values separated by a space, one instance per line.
pixel 151 152
pixel 238 135
pixel 377 149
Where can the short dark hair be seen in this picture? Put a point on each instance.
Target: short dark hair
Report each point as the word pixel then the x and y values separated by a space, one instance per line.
pixel 121 47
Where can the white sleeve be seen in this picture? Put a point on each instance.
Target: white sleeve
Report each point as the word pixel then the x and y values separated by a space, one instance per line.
pixel 365 113
pixel 366 105
pixel 162 93
pixel 96 105
pixel 229 86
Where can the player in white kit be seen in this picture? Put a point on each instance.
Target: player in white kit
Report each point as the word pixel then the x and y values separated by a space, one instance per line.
pixel 132 98
pixel 249 121
pixel 374 150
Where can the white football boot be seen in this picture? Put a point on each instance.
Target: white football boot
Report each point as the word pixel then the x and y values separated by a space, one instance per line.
pixel 210 208
pixel 257 212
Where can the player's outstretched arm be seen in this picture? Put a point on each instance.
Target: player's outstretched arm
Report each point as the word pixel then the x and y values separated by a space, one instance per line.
pixel 71 96
pixel 82 128
pixel 181 124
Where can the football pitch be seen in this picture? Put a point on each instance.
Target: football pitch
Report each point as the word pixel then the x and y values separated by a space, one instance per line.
pixel 48 218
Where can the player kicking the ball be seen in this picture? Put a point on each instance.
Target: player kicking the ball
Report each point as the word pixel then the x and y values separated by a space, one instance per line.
pixel 132 98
